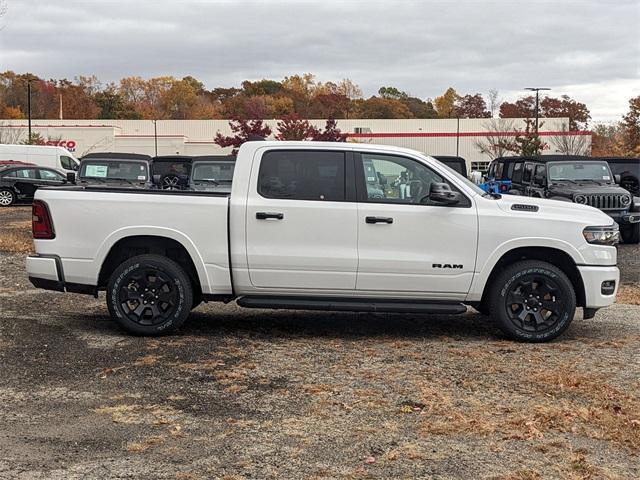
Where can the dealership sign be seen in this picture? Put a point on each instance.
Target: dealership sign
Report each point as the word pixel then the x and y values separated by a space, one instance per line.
pixel 68 144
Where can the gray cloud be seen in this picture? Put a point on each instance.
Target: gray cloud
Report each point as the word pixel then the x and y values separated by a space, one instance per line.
pixel 582 48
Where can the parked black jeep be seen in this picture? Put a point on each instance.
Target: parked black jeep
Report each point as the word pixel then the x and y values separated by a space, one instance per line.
pixel 576 179
pixel 171 172
pixel 458 164
pixel 114 169
pixel 629 171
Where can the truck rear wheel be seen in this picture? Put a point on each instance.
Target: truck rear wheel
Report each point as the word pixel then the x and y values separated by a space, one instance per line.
pixel 630 233
pixel 149 295
pixel 532 301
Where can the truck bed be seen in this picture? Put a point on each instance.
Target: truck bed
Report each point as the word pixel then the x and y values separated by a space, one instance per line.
pixel 89 221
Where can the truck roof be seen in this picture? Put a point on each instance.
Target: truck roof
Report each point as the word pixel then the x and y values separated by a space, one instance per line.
pixel 363 147
pixel 548 158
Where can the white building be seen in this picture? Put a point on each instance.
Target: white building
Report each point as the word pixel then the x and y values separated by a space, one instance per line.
pixel 195 137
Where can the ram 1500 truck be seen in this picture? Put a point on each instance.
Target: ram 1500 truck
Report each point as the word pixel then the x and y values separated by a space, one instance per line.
pixel 328 226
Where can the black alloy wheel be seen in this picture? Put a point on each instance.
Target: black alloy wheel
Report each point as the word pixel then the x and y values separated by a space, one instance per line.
pixel 149 295
pixel 532 301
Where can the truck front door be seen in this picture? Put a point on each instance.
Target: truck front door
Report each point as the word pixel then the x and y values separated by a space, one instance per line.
pixel 406 244
pixel 301 221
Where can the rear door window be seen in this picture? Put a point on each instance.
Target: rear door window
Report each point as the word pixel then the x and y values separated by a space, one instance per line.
pixel 528 172
pixel 302 175
pixel 50 175
pixel 517 172
pixel 26 173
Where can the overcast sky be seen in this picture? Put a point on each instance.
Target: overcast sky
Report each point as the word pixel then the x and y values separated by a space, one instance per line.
pixel 589 50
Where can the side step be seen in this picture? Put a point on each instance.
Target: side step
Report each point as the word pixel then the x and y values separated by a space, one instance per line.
pixel 351 304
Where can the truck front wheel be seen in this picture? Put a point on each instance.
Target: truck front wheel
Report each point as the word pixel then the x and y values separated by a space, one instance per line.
pixel 532 301
pixel 149 295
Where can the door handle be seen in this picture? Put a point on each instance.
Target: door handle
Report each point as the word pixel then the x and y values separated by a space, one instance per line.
pixel 379 220
pixel 267 215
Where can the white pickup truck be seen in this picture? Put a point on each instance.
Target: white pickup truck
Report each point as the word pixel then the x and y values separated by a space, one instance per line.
pixel 328 226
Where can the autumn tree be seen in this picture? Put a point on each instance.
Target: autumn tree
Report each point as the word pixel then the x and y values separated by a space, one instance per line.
pixel 528 140
pixel 242 131
pixel 606 140
pixel 378 107
pixel 549 107
pixel 577 112
pixel 446 103
pixel 292 127
pixel 331 133
pixel 630 129
pixel 522 108
pixel 471 106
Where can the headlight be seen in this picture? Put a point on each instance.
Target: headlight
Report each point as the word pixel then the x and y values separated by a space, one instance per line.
pixel 581 199
pixel 625 200
pixel 602 235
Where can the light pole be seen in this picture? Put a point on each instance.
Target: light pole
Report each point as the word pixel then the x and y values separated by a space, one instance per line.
pixel 29 107
pixel 155 135
pixel 537 90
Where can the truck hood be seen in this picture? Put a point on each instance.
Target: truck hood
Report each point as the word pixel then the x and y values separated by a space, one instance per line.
pixel 553 209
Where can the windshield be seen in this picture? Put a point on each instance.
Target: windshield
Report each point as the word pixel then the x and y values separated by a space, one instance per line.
pixel 575 171
pixel 464 179
pixel 217 171
pixel 114 169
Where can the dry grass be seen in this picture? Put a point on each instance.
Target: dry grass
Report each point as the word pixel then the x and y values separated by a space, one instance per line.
pixel 16 241
pixel 629 294
pixel 141 414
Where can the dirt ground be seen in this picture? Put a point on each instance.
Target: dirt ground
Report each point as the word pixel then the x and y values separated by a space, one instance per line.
pixel 242 394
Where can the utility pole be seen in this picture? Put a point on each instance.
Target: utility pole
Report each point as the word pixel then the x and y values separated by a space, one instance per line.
pixel 458 138
pixel 537 90
pixel 29 107
pixel 60 114
pixel 155 135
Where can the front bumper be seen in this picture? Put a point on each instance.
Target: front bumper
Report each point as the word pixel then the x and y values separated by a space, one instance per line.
pixel 45 271
pixel 625 218
pixel 593 278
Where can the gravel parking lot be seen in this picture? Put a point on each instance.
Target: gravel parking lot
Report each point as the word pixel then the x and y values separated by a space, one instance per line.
pixel 276 394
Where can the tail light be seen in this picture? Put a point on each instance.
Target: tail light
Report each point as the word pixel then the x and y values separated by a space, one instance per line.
pixel 41 223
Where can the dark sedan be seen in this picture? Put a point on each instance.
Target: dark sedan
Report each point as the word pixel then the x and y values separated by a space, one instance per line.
pixel 20 182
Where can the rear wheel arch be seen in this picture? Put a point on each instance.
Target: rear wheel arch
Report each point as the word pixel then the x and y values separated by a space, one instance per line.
pixel 132 246
pixel 555 256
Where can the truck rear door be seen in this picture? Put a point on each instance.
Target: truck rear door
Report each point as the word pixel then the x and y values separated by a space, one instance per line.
pixel 301 222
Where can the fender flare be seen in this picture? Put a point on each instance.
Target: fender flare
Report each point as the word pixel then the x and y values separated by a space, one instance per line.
pixel 481 276
pixel 170 233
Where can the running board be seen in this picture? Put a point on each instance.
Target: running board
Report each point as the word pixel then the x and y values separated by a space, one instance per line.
pixel 351 304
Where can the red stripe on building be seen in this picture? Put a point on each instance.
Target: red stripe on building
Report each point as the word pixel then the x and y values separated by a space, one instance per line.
pixel 461 134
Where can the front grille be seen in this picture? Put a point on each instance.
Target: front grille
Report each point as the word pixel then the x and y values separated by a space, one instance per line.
pixel 606 202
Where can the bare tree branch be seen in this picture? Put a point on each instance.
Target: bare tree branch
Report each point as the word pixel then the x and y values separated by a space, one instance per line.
pixel 568 144
pixel 499 139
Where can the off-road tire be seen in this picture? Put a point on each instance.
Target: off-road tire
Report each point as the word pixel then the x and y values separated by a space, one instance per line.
pixel 630 233
pixel 153 284
pixel 518 281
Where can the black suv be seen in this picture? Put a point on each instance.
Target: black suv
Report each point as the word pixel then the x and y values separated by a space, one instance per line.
pixel 171 172
pixel 629 171
pixel 570 178
pixel 114 169
pixel 20 182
